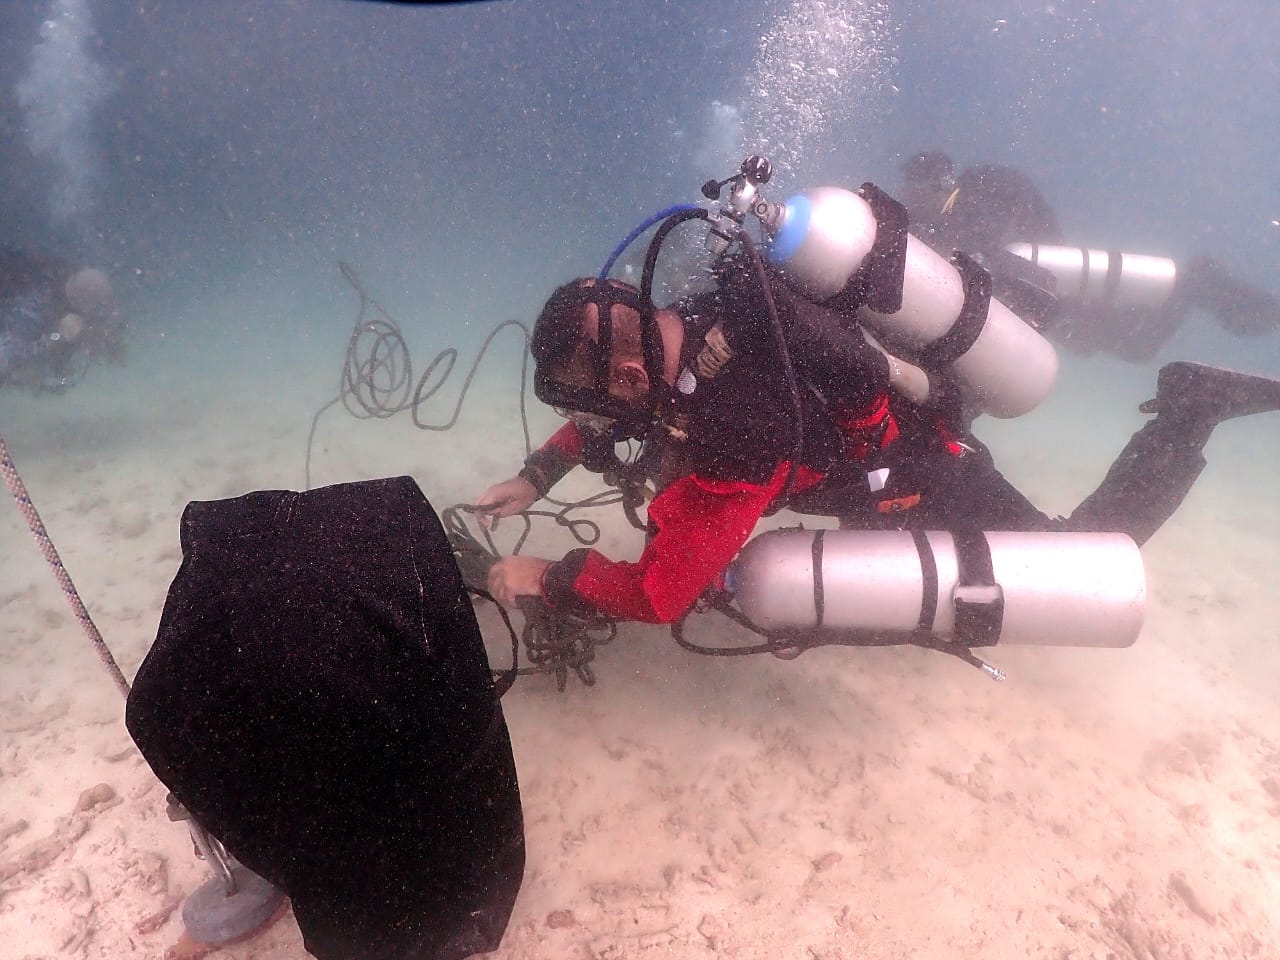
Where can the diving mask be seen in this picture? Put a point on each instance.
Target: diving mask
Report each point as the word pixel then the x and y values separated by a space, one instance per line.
pixel 588 422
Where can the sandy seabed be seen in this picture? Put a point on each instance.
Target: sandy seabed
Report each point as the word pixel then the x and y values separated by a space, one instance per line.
pixel 849 804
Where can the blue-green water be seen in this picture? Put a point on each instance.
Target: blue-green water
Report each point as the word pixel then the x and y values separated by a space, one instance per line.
pixel 219 159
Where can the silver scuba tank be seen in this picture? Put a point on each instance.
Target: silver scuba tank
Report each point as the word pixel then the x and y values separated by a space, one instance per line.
pixel 1103 276
pixel 820 238
pixel 1047 588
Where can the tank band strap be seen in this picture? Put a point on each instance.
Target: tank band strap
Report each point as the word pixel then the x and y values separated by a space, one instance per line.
pixel 978 599
pixel 819 593
pixel 1115 270
pixel 1086 266
pixel 968 325
pixel 879 279
pixel 929 583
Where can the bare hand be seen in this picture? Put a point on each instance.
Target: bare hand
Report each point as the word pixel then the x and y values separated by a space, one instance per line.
pixel 906 379
pixel 504 499
pixel 513 577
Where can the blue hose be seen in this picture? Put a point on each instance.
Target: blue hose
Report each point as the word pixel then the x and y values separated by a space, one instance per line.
pixel 620 248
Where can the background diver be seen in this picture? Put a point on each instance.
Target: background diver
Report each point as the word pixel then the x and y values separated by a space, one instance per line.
pixel 55 318
pixel 730 461
pixel 985 207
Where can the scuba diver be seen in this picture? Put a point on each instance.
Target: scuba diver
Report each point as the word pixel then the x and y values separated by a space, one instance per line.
pixel 701 382
pixel 1090 301
pixel 982 209
pixel 55 318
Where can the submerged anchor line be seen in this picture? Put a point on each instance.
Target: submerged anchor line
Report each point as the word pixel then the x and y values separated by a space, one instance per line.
pixel 18 490
pixel 209 906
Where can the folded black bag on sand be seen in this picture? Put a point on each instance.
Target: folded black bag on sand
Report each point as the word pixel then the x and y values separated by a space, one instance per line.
pixel 319 698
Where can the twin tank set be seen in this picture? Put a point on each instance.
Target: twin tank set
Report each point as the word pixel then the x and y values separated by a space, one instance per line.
pixel 959 587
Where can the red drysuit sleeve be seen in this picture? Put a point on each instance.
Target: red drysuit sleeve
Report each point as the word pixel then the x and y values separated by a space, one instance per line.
pixel 547 465
pixel 700 525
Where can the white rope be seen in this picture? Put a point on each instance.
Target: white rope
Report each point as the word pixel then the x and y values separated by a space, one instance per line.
pixel 36 525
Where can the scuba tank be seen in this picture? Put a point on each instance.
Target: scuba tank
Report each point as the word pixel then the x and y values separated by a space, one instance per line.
pixel 851 252
pixel 941 315
pixel 973 588
pixel 1103 276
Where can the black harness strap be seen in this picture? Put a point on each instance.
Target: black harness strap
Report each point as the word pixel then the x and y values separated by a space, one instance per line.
pixel 964 331
pixel 928 583
pixel 819 590
pixel 978 599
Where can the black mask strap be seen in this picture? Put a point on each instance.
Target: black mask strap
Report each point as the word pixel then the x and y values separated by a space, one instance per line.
pixel 607 294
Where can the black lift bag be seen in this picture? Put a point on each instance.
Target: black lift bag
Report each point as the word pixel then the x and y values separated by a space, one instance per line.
pixel 319 699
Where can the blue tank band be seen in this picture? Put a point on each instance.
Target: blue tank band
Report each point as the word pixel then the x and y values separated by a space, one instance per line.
pixel 795 227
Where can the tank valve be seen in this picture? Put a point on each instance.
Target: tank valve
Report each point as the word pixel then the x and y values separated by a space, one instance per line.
pixel 725 224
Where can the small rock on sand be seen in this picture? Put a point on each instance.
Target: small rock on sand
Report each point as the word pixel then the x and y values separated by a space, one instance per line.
pixel 560 919
pixel 95 796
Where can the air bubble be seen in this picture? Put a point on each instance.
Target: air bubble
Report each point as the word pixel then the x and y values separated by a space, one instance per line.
pixel 818 67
